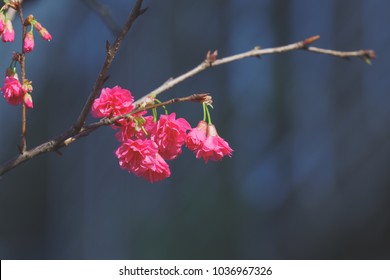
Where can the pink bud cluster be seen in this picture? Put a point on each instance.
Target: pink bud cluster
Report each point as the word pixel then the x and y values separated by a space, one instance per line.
pixel 28 42
pixel 13 90
pixel 146 144
pixel 7 31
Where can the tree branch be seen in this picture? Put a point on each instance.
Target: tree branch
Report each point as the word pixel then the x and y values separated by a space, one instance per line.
pixel 110 55
pixel 80 130
pixel 211 61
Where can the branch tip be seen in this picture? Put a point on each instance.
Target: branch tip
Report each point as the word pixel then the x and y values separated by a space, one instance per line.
pixel 370 54
pixel 142 11
pixel 311 40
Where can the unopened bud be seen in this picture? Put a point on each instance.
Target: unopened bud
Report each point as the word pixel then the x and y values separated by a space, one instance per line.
pixel 45 34
pixel 27 99
pixel 8 33
pixel 28 43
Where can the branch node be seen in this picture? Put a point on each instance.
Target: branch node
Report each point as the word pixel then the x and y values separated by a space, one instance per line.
pixel 142 11
pixel 211 57
pixel 310 40
pixel 70 140
pixel 256 48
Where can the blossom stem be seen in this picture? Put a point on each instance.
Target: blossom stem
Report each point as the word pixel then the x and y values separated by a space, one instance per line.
pixel 206 112
pixel 23 145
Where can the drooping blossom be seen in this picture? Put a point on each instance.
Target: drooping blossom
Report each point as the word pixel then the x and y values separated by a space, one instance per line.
pixel 113 102
pixel 207 144
pixel 12 90
pixel 28 42
pixel 170 135
pixel 38 26
pixel 197 136
pixel 141 157
pixel 8 32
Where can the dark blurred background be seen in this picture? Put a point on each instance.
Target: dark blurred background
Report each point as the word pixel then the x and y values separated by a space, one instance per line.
pixel 309 177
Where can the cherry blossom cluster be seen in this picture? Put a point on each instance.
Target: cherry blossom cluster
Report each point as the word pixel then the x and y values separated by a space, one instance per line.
pixel 14 91
pixel 147 142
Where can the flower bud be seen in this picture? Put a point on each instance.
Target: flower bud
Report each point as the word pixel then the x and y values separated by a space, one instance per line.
pixel 8 32
pixel 2 22
pixel 45 34
pixel 28 43
pixel 37 25
pixel 27 99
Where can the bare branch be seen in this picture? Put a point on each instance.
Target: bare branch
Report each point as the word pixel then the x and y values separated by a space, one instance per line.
pixel 110 55
pixel 211 61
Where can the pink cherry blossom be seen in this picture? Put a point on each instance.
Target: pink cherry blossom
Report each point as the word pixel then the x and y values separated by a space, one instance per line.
pixel 215 147
pixel 113 102
pixel 8 32
pixel 13 90
pixel 141 157
pixel 28 43
pixel 207 144
pixel 197 136
pixel 170 135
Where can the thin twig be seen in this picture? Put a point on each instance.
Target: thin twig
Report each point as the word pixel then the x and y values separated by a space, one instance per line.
pixel 198 97
pixel 87 129
pixel 80 130
pixel 110 55
pixel 211 61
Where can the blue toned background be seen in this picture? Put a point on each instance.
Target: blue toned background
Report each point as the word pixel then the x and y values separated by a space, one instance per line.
pixel 309 177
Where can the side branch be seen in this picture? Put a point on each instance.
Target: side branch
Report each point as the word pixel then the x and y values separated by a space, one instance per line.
pixel 198 97
pixel 211 61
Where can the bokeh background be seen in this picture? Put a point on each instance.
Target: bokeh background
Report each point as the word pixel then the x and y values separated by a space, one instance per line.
pixel 309 177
